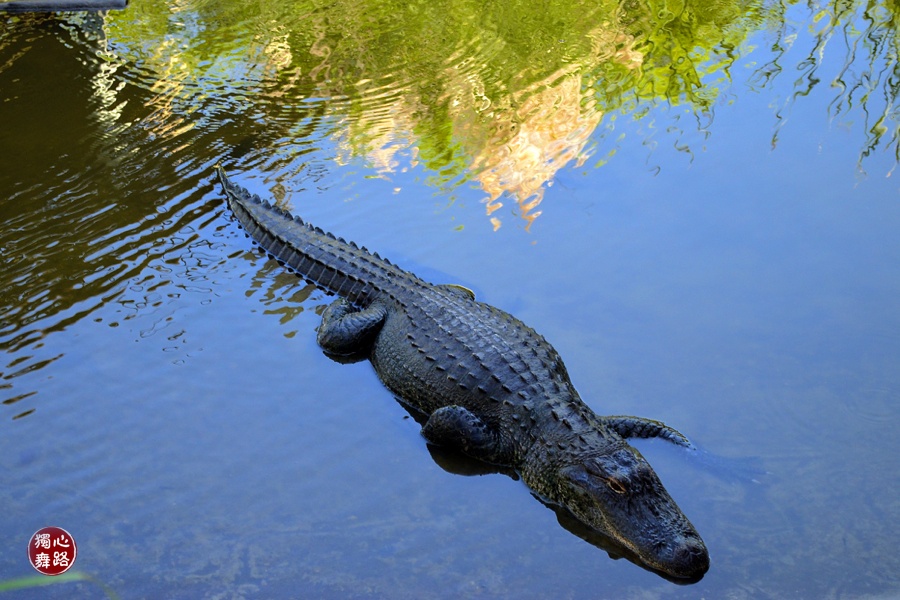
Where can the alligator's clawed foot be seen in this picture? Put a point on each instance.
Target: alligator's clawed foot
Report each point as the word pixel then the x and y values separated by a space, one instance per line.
pixel 639 427
pixel 346 331
pixel 457 428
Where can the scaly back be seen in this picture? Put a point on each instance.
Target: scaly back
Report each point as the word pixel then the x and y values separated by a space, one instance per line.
pixel 330 262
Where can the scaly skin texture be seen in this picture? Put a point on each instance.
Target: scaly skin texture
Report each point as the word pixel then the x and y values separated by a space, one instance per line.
pixel 490 386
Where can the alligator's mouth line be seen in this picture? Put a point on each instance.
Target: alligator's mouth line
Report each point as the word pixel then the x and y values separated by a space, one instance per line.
pixel 485 385
pixel 619 546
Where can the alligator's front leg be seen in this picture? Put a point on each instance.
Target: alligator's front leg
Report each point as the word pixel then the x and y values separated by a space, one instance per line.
pixel 638 427
pixel 345 331
pixel 459 429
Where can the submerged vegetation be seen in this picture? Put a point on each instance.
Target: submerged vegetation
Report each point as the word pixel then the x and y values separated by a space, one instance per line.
pixel 37 581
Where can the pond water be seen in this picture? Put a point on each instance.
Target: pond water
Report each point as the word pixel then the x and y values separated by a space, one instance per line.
pixel 696 205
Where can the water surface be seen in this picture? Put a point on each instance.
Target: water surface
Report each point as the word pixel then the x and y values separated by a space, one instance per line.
pixel 695 205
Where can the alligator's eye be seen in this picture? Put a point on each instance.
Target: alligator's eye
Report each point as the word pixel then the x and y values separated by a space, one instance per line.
pixel 616 485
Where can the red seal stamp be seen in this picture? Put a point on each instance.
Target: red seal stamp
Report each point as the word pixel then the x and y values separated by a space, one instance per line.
pixel 52 551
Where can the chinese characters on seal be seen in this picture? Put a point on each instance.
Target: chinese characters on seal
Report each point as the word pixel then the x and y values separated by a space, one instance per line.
pixel 52 551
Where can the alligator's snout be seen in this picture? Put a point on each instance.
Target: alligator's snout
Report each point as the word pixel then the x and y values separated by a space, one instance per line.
pixel 690 558
pixel 670 545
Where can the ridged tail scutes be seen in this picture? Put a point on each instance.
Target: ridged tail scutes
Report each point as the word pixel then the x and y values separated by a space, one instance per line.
pixel 331 263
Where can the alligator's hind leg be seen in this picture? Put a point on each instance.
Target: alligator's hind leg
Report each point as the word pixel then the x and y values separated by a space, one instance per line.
pixel 345 331
pixel 459 429
pixel 638 427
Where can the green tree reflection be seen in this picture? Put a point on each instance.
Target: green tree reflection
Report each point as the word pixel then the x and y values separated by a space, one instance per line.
pixel 502 93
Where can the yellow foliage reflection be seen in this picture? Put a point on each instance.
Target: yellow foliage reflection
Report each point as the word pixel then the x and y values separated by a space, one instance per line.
pixel 515 143
pixel 536 131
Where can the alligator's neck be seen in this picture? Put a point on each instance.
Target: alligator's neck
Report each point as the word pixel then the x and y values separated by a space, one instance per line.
pixel 329 262
pixel 569 433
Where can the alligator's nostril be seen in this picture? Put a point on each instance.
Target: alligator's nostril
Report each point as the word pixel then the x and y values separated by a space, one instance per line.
pixel 692 557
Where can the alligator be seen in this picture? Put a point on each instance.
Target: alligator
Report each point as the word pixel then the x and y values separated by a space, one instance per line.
pixel 487 385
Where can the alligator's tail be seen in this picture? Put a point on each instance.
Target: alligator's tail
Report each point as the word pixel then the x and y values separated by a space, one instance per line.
pixel 331 263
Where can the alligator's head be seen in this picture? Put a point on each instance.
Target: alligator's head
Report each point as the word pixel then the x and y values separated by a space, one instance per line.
pixel 620 495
